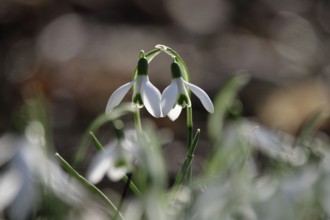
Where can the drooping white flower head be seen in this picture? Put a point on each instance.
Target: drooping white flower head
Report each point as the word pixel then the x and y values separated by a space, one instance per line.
pixel 175 96
pixel 116 160
pixel 145 93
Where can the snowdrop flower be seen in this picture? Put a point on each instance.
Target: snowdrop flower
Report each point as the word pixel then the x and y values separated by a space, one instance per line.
pixel 116 160
pixel 29 173
pixel 145 93
pixel 175 96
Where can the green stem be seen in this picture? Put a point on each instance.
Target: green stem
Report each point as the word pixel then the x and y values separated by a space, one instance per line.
pixel 132 185
pixel 123 195
pixel 137 121
pixel 172 53
pixel 190 138
pixel 89 185
pixel 187 163
pixel 96 142
pixel 185 169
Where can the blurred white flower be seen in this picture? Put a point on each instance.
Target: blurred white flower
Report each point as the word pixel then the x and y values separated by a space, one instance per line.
pixel 277 145
pixel 175 96
pixel 116 160
pixel 145 93
pixel 28 173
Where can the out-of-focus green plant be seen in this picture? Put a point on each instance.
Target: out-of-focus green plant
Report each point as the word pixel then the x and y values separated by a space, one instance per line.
pixel 252 172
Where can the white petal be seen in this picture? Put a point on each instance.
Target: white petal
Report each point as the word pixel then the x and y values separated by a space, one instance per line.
pixel 151 98
pixel 169 97
pixel 201 94
pixel 117 173
pixel 10 185
pixel 131 144
pixel 182 90
pixel 175 112
pixel 99 167
pixel 118 95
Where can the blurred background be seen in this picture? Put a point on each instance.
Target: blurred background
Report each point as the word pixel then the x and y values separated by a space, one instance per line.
pixel 77 52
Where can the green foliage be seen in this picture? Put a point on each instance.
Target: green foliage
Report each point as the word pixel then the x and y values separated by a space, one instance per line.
pixel 252 172
pixel 223 102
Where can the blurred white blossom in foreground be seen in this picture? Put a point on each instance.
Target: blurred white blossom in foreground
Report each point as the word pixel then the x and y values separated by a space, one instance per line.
pixel 116 160
pixel 27 174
